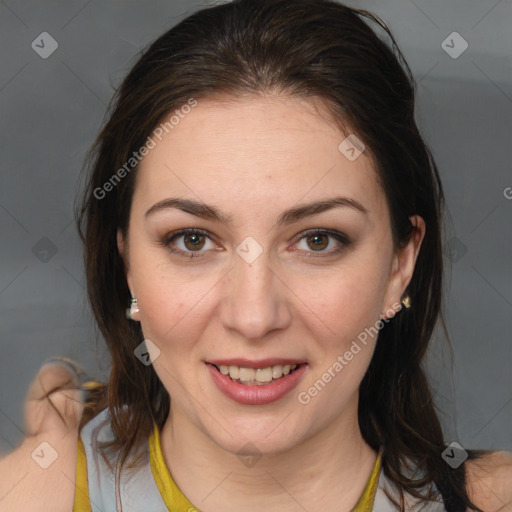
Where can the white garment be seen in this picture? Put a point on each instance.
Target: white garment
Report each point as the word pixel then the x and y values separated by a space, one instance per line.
pixel 383 504
pixel 139 493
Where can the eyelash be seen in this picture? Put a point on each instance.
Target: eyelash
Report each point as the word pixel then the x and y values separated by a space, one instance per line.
pixel 340 237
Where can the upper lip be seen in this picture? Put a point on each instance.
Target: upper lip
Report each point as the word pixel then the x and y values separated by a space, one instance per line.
pixel 260 363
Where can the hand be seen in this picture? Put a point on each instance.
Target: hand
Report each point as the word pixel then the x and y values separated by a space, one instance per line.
pixel 39 474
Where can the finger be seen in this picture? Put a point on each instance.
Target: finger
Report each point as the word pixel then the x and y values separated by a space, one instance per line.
pixel 54 399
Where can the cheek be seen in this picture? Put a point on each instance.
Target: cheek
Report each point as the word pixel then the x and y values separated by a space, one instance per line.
pixel 174 319
pixel 340 320
pixel 339 306
pixel 173 310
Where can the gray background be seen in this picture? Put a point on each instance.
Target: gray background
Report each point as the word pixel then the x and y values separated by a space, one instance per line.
pixel 51 110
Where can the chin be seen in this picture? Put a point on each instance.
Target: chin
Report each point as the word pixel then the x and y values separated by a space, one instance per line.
pixel 257 435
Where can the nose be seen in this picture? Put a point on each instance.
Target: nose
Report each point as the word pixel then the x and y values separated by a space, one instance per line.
pixel 255 300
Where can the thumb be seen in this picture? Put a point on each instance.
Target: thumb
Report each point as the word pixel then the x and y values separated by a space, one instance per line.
pixel 55 400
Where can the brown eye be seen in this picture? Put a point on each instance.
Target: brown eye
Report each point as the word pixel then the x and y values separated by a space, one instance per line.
pixel 188 242
pixel 321 242
pixel 194 241
pixel 318 242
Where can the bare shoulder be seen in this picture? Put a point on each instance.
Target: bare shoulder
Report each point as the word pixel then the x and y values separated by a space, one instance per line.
pixel 40 474
pixel 489 481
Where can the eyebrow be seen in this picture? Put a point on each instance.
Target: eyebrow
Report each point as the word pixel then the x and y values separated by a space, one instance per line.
pixel 290 216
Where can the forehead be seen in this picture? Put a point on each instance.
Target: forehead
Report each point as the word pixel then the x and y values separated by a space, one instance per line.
pixel 256 148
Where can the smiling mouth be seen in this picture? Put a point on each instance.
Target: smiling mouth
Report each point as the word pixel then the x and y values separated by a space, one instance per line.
pixel 257 376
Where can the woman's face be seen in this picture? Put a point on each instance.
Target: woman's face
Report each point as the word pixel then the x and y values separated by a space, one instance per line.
pixel 252 285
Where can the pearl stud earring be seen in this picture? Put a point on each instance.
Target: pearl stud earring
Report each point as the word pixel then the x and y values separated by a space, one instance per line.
pixel 134 308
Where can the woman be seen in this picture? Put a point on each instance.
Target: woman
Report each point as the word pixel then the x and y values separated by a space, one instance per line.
pixel 262 200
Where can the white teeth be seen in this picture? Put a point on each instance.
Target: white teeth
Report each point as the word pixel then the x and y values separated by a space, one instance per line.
pixel 246 374
pixel 256 376
pixel 234 372
pixel 277 371
pixel 264 374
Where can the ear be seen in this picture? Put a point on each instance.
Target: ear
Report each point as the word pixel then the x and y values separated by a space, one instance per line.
pixel 122 247
pixel 404 262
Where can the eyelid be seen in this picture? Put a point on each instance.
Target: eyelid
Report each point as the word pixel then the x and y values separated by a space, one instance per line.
pixel 341 237
pixel 166 241
pixel 169 237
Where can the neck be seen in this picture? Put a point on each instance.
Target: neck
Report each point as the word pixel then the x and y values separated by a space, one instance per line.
pixel 334 462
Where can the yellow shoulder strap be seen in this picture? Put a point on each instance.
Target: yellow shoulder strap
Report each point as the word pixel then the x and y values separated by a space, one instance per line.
pixel 365 502
pixel 82 503
pixel 175 500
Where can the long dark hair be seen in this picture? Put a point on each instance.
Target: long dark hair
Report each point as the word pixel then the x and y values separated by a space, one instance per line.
pixel 304 48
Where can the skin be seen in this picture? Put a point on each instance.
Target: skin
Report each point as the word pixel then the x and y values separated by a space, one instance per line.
pixel 319 442
pixel 252 159
pixel 26 485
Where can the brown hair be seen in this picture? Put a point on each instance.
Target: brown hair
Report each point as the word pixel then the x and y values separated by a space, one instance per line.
pixel 310 49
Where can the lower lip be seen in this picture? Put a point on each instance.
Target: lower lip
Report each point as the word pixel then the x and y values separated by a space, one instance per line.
pixel 257 395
